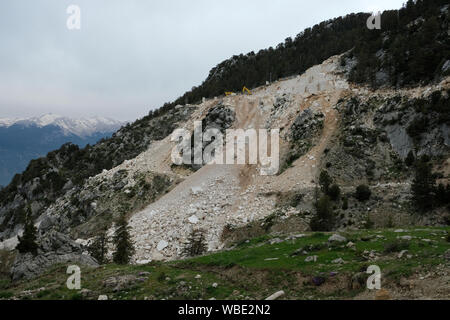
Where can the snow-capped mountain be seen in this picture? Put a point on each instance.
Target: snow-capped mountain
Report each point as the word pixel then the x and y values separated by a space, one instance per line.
pixel 22 140
pixel 81 127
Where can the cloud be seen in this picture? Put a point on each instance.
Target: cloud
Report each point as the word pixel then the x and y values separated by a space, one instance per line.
pixel 132 56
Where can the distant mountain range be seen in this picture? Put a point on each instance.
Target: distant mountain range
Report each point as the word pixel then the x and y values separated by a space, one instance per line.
pixel 22 140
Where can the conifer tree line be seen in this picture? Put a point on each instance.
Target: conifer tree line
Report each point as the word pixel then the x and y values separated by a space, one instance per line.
pixel 427 194
pixel 412 54
pixel 98 249
pixel 121 240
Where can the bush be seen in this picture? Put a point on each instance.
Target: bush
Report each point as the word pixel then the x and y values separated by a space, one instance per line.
pixel 345 203
pixel 296 199
pixel 418 126
pixel 423 186
pixel 410 159
pixel 363 193
pixel 442 194
pixel 334 192
pixel 369 223
pixel 161 277
pixel 325 181
pixel 6 294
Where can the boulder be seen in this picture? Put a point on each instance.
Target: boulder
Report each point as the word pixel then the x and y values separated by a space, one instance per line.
pixel 337 238
pixel 53 248
pixel 276 295
pixel 447 255
pixel 119 283
pixel 162 245
pixel 193 219
pixel 311 259
pixel 338 261
pixel 402 253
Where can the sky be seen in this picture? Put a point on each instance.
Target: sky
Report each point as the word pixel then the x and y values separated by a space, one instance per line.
pixel 129 57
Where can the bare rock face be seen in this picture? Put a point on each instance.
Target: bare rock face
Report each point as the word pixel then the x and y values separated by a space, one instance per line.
pixel 54 248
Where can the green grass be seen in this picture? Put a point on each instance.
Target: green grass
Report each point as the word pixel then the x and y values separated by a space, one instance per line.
pixel 244 271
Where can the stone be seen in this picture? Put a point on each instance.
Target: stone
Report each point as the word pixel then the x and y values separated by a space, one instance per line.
pixel 162 245
pixel 119 283
pixel 275 241
pixel 446 66
pixel 338 261
pixel 85 293
pixel 402 253
pixel 447 255
pixel 407 238
pixel 358 280
pixel 198 276
pixel 196 190
pixel 103 297
pixel 311 259
pixel 276 295
pixel 350 245
pixel 337 238
pixel 406 283
pixel 193 219
pixel 54 248
pixel 215 285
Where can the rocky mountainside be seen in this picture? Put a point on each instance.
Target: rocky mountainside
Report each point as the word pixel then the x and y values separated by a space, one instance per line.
pixel 335 123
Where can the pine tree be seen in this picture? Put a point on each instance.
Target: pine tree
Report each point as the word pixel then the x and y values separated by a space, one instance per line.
pixel 362 193
pixel 27 242
pixel 98 249
pixel 124 247
pixel 409 161
pixel 334 192
pixel 325 181
pixel 195 244
pixel 423 185
pixel 324 218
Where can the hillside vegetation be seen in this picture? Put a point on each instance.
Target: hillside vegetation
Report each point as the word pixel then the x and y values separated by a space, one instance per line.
pixel 256 268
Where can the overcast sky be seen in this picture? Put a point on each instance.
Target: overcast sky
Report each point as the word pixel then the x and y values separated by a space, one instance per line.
pixel 132 56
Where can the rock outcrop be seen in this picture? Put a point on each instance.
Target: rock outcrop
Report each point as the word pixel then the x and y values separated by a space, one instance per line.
pixel 54 248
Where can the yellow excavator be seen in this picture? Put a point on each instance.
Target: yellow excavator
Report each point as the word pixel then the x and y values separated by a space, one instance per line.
pixel 244 90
